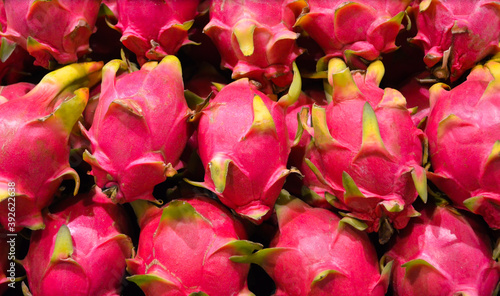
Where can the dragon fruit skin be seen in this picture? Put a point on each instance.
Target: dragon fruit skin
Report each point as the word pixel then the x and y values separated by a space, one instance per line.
pixel 255 39
pixel 31 25
pixel 34 131
pixel 187 247
pixel 453 32
pixel 153 40
pixel 246 164
pixel 85 240
pixel 13 91
pixel 464 143
pixel 360 29
pixel 139 129
pixel 370 166
pixel 443 253
pixel 315 253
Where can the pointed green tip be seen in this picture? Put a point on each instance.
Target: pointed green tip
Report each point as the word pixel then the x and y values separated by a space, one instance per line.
pixel 295 89
pixel 6 49
pixel 243 31
pixel 143 280
pixel 172 61
pixel 375 72
pixel 219 167
pixel 263 121
pixel 350 187
pixel 419 177
pixel 355 223
pixel 63 246
pixel 70 110
pixel 179 210
pixel 371 131
pixel 322 137
pixel 473 203
pixel 323 275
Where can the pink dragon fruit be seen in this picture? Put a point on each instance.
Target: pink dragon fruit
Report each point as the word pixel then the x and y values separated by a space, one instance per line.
pixel 13 91
pixel 34 132
pixel 245 160
pixel 255 39
pixel 188 248
pixel 454 34
pixel 443 253
pixel 370 150
pixel 353 30
pixel 153 29
pixel 464 143
pixel 85 241
pixel 315 253
pixel 31 25
pixel 311 189
pixel 139 129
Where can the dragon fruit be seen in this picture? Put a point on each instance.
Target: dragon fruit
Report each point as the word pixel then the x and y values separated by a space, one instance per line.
pixel 139 130
pixel 85 241
pixel 31 25
pixel 153 40
pixel 245 161
pixel 453 34
pixel 443 253
pixel 357 31
pixel 311 189
pixel 34 132
pixel 464 142
pixel 188 248
pixel 370 151
pixel 255 39
pixel 315 253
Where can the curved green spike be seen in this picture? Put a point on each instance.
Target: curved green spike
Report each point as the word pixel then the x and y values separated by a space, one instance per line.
pixel 375 72
pixel 66 174
pixel 449 122
pixel 218 86
pixel 142 280
pixel 294 91
pixel 219 166
pixel 322 136
pixel 371 131
pixel 473 203
pixel 6 49
pixel 242 247
pixel 357 224
pixel 178 210
pixel 261 257
pixel 244 35
pixel 63 246
pixel 324 274
pixel 436 91
pixel 127 105
pixel 424 5
pixel 70 110
pixel 340 78
pixel 172 61
pixel 416 263
pixel 69 78
pixel 315 170
pixel 495 153
pixel 263 121
pixel 350 187
pixel 419 177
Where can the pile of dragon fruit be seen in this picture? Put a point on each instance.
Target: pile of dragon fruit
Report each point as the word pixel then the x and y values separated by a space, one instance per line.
pixel 250 147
